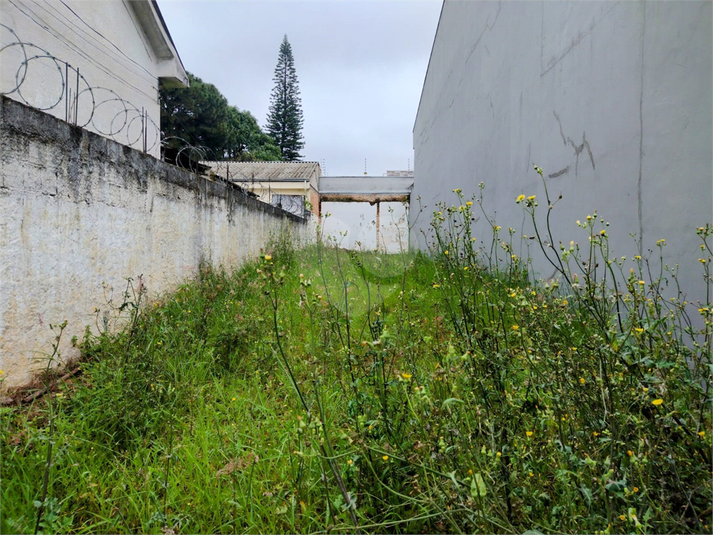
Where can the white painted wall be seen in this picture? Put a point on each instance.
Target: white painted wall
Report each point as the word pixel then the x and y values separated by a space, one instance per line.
pixel 118 67
pixel 614 99
pixel 79 214
pixel 352 225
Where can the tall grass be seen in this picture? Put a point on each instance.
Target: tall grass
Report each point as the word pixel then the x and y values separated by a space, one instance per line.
pixel 323 390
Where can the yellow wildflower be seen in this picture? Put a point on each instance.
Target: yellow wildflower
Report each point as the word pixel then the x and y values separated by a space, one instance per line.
pixel 350 462
pixel 515 327
pixel 582 380
pixel 469 203
pixel 406 376
pixel 622 517
pixel 657 402
pixel 520 198
pixel 528 433
pixel 268 257
pixel 385 457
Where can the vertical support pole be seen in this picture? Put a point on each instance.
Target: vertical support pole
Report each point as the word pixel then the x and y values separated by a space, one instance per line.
pixel 143 128
pixel 378 224
pixel 76 100
pixel 66 92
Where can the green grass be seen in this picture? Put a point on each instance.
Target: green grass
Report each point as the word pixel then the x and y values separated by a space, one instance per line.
pixel 441 393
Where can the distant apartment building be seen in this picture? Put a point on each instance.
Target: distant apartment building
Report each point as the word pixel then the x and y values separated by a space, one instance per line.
pixel 400 173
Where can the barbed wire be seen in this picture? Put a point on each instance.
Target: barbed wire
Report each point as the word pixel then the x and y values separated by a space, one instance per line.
pixel 52 84
pixel 95 107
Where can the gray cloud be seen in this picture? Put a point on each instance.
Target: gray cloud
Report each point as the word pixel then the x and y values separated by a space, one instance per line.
pixel 360 67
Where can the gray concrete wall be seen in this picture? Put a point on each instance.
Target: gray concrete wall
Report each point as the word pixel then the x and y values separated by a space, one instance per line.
pixel 611 99
pixel 80 213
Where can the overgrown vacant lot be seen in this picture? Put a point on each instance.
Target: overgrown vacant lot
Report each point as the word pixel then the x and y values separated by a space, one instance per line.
pixel 320 390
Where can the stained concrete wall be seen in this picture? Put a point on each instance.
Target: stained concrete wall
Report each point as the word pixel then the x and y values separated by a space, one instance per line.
pixel 80 213
pixel 611 99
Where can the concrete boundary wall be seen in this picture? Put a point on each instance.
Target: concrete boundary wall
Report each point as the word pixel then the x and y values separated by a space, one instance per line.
pixel 79 214
pixel 613 100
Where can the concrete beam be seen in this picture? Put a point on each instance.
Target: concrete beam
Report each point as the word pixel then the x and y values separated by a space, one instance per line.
pixel 371 198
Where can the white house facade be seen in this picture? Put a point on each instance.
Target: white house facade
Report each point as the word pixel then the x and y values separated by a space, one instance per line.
pixel 96 64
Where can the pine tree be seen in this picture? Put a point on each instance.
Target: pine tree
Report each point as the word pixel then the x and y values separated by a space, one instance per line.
pixel 284 119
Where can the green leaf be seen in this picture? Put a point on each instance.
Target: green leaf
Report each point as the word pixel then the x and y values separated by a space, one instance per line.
pixel 477 486
pixel 451 401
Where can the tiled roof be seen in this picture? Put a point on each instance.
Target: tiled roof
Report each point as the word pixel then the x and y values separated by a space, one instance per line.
pixel 266 170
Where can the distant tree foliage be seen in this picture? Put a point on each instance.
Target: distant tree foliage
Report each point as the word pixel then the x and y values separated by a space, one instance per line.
pixel 284 119
pixel 201 116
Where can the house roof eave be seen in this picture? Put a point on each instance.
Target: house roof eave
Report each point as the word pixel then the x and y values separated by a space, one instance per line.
pixel 171 71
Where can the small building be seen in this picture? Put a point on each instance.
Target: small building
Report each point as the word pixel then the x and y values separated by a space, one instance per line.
pixel 366 212
pixel 293 186
pixel 98 65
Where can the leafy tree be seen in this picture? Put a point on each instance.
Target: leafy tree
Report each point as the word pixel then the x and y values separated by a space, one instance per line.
pixel 200 115
pixel 284 119
pixel 247 141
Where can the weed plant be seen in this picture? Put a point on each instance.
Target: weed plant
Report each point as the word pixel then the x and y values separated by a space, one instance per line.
pixel 324 390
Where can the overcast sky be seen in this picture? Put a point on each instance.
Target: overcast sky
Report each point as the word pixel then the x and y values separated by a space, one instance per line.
pixel 360 66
